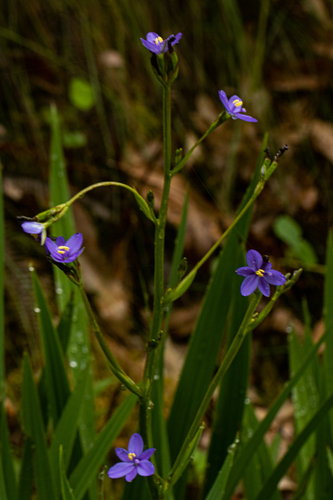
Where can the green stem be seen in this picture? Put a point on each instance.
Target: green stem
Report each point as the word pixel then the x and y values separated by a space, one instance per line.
pixel 222 117
pixel 172 294
pixel 115 367
pixel 99 184
pixel 229 357
pixel 158 311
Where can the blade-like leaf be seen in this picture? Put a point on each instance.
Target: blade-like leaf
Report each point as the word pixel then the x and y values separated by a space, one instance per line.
pixel 279 471
pixel 250 448
pixel 26 479
pixel 56 377
pixel 66 490
pixel 33 426
pixel 6 456
pixel 88 467
pixel 65 324
pixel 66 429
pixel 217 490
pixel 230 404
pixel 2 311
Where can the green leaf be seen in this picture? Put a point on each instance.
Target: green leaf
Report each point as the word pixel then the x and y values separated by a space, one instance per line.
pixel 229 408
pixel 328 317
pixel 59 193
pixel 279 471
pixel 3 493
pixel 65 324
pixel 56 377
pixel 88 467
pixel 33 427
pixel 66 429
pixel 305 401
pixel 2 311
pixel 330 459
pixel 66 490
pixel 251 446
pixel 26 479
pixel 81 94
pixel 217 490
pixel 73 140
pixel 289 231
pixel 260 466
pixel 6 457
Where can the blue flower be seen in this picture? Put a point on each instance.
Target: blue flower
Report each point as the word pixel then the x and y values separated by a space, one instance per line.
pixel 234 107
pixel 65 251
pixel 133 461
pixel 259 274
pixel 157 45
pixel 36 229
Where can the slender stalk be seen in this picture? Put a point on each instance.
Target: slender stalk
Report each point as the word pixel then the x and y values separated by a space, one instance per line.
pixel 115 367
pixel 99 184
pixel 187 281
pixel 158 311
pixel 229 357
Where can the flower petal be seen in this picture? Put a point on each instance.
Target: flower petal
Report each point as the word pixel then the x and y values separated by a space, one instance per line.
pixel 176 38
pixel 72 256
pixel 245 271
pixel 131 475
pixel 266 266
pixel 75 242
pixel 135 444
pixel 145 468
pixel 249 285
pixel 123 455
pixel 50 246
pixel 233 108
pixel 32 227
pixel 147 454
pixel 60 241
pixel 264 287
pixel 151 36
pixel 274 278
pixel 246 118
pixel 224 100
pixel 254 260
pixel 120 470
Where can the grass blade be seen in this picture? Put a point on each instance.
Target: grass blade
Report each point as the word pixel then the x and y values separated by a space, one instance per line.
pixel 88 467
pixel 66 490
pixel 272 482
pixel 33 426
pixel 217 490
pixel 56 378
pixel 250 448
pixel 26 479
pixel 6 458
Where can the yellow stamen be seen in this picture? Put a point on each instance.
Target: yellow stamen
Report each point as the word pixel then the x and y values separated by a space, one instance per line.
pixel 131 456
pixel 158 40
pixel 237 102
pixel 260 273
pixel 62 249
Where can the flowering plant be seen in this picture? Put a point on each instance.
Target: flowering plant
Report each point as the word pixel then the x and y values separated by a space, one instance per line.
pixel 206 369
pixel 259 274
pixel 133 461
pixel 157 45
pixel 234 106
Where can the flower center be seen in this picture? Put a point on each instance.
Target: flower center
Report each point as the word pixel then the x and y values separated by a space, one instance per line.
pixel 131 456
pixel 260 273
pixel 62 249
pixel 158 40
pixel 237 102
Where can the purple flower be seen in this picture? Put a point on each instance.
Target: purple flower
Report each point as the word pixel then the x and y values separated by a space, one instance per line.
pixel 156 44
pixel 36 229
pixel 133 461
pixel 234 107
pixel 65 251
pixel 259 273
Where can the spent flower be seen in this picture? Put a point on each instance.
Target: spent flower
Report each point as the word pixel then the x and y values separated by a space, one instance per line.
pixel 64 251
pixel 36 229
pixel 234 106
pixel 133 461
pixel 259 274
pixel 157 45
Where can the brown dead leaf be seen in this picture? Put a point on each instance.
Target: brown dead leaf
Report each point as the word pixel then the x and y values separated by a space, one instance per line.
pixel 321 136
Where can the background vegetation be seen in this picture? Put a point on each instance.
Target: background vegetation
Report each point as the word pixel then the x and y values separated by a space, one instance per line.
pixel 87 59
